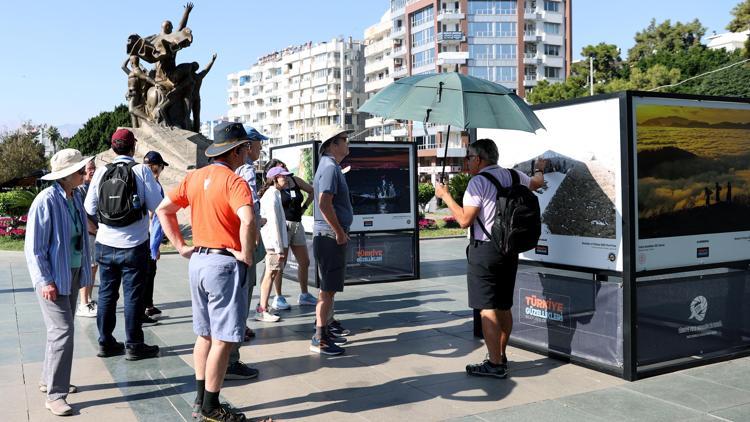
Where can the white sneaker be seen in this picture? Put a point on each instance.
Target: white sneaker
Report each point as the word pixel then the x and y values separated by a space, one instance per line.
pixel 280 303
pixel 265 316
pixel 59 407
pixel 306 299
pixel 86 311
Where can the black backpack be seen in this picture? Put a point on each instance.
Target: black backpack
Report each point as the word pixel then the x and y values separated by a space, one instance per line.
pixel 518 222
pixel 119 204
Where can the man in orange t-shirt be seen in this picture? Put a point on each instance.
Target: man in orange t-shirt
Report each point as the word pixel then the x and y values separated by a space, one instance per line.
pixel 224 238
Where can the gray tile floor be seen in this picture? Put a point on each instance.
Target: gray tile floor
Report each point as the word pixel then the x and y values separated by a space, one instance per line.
pixel 411 342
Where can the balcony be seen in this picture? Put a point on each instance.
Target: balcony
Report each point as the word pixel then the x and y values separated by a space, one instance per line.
pixel 532 36
pixel 398 51
pixel 398 32
pixel 555 39
pixel 400 72
pixel 450 15
pixel 552 61
pixel 378 46
pixel 532 14
pixel 451 37
pixel 532 58
pixel 452 57
pixel 552 17
pixel 376 65
pixel 377 84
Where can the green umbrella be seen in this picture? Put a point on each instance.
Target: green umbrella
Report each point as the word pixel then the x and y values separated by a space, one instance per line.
pixel 453 99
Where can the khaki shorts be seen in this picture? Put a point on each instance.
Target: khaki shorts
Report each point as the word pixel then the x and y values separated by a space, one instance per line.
pixel 273 261
pixel 296 233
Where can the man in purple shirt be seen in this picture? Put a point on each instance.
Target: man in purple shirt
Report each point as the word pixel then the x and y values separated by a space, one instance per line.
pixel 490 276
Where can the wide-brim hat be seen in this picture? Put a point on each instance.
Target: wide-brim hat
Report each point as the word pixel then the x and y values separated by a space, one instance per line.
pixel 66 162
pixel 328 133
pixel 227 135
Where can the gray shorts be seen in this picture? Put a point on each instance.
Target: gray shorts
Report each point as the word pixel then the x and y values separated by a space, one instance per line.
pixel 296 233
pixel 331 259
pixel 219 290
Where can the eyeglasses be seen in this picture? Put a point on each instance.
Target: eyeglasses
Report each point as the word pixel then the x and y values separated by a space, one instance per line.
pixel 470 156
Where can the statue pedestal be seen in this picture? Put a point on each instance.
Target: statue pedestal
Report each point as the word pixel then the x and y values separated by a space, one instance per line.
pixel 182 149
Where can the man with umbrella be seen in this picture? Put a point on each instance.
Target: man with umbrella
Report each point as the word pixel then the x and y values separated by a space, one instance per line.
pixel 490 276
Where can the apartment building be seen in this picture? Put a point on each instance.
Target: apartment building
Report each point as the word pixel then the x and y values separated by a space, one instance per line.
pixel 288 94
pixel 515 43
pixel 379 74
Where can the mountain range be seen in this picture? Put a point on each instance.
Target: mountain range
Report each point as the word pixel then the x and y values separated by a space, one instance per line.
pixel 674 121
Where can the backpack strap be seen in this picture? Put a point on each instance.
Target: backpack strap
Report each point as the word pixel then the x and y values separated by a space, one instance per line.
pixel 514 176
pixel 498 190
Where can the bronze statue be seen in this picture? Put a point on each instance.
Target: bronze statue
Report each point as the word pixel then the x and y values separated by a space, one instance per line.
pixel 169 93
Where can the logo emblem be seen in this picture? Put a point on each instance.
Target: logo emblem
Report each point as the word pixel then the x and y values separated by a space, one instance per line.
pixel 698 308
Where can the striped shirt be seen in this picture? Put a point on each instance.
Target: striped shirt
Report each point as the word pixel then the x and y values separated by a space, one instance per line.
pixel 47 244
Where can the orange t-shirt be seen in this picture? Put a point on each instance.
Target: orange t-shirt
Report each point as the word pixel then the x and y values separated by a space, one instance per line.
pixel 214 194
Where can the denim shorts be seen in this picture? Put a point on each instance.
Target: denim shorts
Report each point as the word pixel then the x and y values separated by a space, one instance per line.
pixel 219 290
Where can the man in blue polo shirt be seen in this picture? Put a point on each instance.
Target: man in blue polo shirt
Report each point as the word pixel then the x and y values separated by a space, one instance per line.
pixel 333 217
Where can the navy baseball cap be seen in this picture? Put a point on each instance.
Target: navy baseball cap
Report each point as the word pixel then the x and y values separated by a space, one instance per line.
pixel 153 157
pixel 254 135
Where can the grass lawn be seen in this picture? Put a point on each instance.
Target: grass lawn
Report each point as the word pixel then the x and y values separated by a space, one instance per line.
pixel 8 244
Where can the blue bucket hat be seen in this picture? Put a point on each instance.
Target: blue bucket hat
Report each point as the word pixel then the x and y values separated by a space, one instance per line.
pixel 227 135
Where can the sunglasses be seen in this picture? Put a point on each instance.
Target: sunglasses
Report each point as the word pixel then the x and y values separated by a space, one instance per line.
pixel 470 156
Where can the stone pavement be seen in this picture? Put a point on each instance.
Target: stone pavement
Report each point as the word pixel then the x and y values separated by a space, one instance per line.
pixel 406 359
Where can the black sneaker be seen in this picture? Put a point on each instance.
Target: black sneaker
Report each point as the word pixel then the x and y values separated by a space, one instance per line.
pixel 108 350
pixel 325 347
pixel 196 413
pixel 240 371
pixel 147 321
pixel 141 351
pixel 487 369
pixel 337 339
pixel 153 312
pixel 221 414
pixel 336 328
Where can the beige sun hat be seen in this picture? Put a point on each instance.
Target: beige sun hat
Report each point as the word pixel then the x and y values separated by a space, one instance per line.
pixel 66 162
pixel 329 132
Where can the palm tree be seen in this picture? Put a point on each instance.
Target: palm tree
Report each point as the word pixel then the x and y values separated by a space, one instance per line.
pixel 54 137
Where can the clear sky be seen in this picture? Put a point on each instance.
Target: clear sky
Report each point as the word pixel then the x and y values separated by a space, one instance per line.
pixel 60 61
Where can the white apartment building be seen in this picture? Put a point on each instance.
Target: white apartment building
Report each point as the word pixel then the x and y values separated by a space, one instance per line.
pixel 729 41
pixel 290 93
pixel 379 74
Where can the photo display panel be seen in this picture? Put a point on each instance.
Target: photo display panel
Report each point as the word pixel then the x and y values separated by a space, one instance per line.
pixel 381 180
pixel 581 199
pixel 692 169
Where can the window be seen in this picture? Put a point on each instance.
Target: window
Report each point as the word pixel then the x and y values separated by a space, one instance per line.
pixel 551 6
pixel 505 74
pixel 320 89
pixel 505 29
pixel 320 74
pixel 481 51
pixel 422 58
pixel 552 50
pixel 552 72
pixel 320 105
pixel 552 28
pixel 483 7
pixel 506 51
pixel 422 16
pixel 480 29
pixel 423 37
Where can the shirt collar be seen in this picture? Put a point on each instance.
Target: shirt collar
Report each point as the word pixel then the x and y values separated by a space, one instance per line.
pixel 124 158
pixel 490 167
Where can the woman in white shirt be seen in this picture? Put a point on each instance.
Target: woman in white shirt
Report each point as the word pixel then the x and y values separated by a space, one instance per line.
pixel 274 236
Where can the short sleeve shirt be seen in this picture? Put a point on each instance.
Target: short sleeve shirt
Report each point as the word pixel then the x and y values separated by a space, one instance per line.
pixel 481 193
pixel 330 179
pixel 214 194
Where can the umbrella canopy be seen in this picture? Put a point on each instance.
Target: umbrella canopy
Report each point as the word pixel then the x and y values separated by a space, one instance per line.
pixel 453 99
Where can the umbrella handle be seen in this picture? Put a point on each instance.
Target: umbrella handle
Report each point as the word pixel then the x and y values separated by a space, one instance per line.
pixel 445 153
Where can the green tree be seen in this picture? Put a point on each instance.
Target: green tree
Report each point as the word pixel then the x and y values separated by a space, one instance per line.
pixel 545 92
pixel 457 186
pixel 658 75
pixel 53 134
pixel 741 21
pixel 94 137
pixel 665 37
pixel 607 62
pixel 732 82
pixel 425 193
pixel 20 154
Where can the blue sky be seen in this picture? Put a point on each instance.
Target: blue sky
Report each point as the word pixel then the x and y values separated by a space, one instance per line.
pixel 61 60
